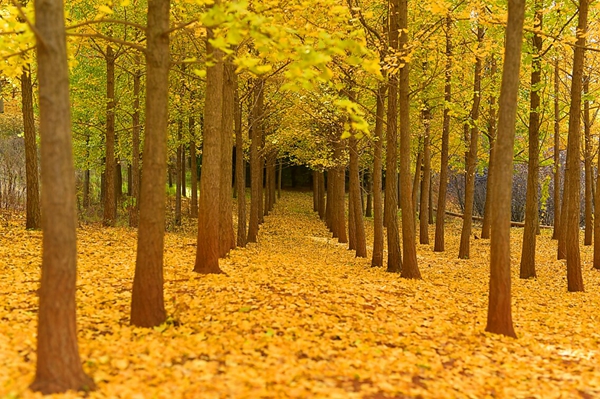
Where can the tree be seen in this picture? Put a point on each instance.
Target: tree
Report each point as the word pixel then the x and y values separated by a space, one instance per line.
pixel 33 216
pixel 499 319
pixel 527 267
pixel 58 366
pixel 572 208
pixel 147 302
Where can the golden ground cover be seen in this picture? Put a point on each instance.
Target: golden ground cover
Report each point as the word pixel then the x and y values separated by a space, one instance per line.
pixel 298 316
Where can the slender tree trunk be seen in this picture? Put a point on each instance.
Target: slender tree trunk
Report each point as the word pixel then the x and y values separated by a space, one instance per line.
pixel 135 149
pixel 369 189
pixel 240 169
pixel 209 215
pixel 329 201
pixel 391 190
pixel 147 304
pixel 321 195
pixel 58 365
pixel 557 218
pixel 360 238
pixel 439 245
pixel 226 234
pixel 588 164
pixel 424 208
pixel 279 182
pixel 110 199
pixel 315 184
pixel 487 210
pixel 499 320
pixel 410 268
pixel 178 172
pixel 340 197
pixel 193 167
pixel 417 178
pixel 574 278
pixel 527 267
pixel 596 262
pixel 471 165
pixel 183 172
pixel 33 216
pixel 86 189
pixel 255 162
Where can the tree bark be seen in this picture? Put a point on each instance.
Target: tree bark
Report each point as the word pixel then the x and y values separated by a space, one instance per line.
pixel 426 182
pixel 226 234
pixel 471 157
pixel 439 244
pixel 527 267
pixel 147 304
pixel 485 228
pixel 178 172
pixel 135 149
pixel 209 215
pixel 33 218
pixel 58 365
pixel 110 199
pixel 193 167
pixel 588 155
pixel 417 178
pixel 359 230
pixel 240 169
pixel 574 277
pixel 321 203
pixel 557 218
pixel 499 318
pixel 410 268
pixel 255 161
pixel 377 259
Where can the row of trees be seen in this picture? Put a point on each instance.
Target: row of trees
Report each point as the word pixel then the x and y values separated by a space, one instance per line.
pixel 331 90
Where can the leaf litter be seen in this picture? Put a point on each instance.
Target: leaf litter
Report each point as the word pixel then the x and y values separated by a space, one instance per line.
pixel 298 316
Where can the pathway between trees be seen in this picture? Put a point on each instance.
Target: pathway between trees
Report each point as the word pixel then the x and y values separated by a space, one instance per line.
pixel 298 316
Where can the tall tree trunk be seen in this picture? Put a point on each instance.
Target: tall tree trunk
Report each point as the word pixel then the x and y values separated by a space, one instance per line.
pixel 315 185
pixel 86 189
pixel 193 167
pixel 329 201
pixel 183 173
pixel 491 135
pixel 178 171
pixel 557 218
pixel 240 169
pixel 255 161
pixel 417 178
pixel 147 303
pixel 135 148
pixel 471 157
pixel 33 216
pixel 368 177
pixel 527 267
pixel 588 164
pixel 410 268
pixel 424 208
pixel 58 365
pixel 321 194
pixel 226 233
pixel 211 180
pixel 574 278
pixel 110 199
pixel 499 318
pixel 280 176
pixel 596 260
pixel 439 245
pixel 391 180
pixel 340 195
pixel 359 230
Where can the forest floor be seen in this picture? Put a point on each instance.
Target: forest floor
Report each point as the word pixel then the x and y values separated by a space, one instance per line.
pixel 298 316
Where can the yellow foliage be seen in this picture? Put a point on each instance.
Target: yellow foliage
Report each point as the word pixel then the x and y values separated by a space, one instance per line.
pixel 298 316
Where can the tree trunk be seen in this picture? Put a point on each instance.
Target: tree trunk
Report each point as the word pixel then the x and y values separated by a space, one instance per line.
pixel 588 164
pixel 110 199
pixel 86 189
pixel 527 267
pixel 226 234
pixel 183 173
pixel 279 182
pixel 340 196
pixel 321 194
pixel 359 231
pixel 426 182
pixel 377 259
pixel 417 178
pixel 58 365
pixel 240 169
pixel 596 262
pixel 574 278
pixel 439 245
pixel 485 228
pixel 471 157
pixel 391 179
pixel 211 180
pixel 557 218
pixel 499 318
pixel 368 177
pixel 255 161
pixel 410 268
pixel 33 216
pixel 193 167
pixel 315 184
pixel 147 304
pixel 178 171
